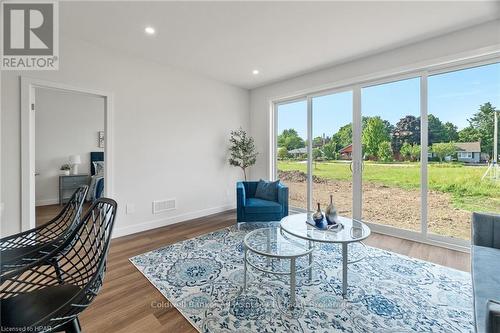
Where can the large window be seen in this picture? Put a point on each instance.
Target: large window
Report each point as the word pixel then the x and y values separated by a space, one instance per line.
pixel 332 151
pixel 390 140
pixel 367 143
pixel 461 105
pixel 291 153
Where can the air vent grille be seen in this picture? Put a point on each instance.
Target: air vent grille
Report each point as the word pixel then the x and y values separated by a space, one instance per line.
pixel 160 206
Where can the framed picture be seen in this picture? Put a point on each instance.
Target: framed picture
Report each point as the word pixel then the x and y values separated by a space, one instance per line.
pixel 100 139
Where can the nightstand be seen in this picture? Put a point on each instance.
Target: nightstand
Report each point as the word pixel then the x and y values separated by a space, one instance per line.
pixel 68 185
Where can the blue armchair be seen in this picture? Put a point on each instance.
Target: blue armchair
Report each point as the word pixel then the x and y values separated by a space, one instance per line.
pixel 251 209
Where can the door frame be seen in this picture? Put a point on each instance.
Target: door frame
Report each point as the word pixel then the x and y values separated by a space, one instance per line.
pixel 28 107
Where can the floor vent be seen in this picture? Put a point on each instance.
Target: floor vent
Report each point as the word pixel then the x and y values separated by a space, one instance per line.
pixel 161 206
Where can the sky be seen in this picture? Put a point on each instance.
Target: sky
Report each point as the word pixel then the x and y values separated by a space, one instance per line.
pixel 452 97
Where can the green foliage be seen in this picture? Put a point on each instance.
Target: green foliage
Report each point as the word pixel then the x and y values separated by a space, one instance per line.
pixel 405 151
pixel 441 132
pixel 317 154
pixel 282 153
pixel 410 152
pixel 374 133
pixel 242 150
pixel 450 132
pixel 407 129
pixel 330 150
pixel 388 128
pixel 290 139
pixel 469 134
pixel 415 152
pixel 384 151
pixel 344 136
pixel 443 149
pixel 481 128
pixel 320 141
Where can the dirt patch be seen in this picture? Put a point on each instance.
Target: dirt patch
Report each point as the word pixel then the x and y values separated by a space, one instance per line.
pixel 382 204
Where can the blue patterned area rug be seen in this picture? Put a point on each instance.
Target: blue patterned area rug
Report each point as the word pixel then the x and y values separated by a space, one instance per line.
pixel 202 278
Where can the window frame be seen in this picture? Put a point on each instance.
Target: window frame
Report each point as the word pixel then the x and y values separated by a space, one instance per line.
pixel 355 86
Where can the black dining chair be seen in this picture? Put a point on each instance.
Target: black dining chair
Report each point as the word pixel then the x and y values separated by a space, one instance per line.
pixel 38 299
pixel 26 247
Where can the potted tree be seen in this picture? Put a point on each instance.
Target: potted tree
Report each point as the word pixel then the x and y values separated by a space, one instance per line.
pixel 242 150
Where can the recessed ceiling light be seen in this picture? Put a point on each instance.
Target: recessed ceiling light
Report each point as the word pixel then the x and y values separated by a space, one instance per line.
pixel 255 72
pixel 150 30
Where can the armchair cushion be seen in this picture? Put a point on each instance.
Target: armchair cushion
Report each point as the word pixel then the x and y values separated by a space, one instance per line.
pixel 486 281
pixel 267 190
pixel 255 205
pixel 486 230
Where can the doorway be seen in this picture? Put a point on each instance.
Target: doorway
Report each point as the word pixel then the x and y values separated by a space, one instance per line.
pixel 66 143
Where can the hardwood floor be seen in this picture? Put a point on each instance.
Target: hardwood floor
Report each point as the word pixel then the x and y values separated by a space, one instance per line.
pixel 46 213
pixel 129 303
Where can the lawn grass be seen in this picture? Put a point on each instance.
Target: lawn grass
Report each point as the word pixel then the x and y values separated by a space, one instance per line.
pixel 462 182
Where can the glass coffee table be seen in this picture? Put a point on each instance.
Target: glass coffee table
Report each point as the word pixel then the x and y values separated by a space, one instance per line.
pixel 351 231
pixel 267 250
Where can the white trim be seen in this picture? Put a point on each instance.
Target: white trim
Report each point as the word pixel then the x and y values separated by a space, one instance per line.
pixel 46 202
pixel 273 149
pixel 153 224
pixel 357 155
pixel 28 96
pixel 446 242
pixel 424 138
pixel 309 184
pixel 436 66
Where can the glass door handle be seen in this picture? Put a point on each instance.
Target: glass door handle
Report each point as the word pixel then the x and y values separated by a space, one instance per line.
pixel 362 166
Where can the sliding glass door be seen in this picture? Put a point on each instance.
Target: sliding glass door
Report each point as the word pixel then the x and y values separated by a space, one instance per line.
pixel 332 151
pixel 291 150
pixel 390 141
pixel 460 136
pixel 412 156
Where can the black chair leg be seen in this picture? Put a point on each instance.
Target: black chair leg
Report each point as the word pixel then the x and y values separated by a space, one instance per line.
pixel 72 326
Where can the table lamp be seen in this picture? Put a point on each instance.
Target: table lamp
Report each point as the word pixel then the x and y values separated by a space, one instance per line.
pixel 74 160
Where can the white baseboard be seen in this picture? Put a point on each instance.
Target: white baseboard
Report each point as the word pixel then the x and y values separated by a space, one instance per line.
pixel 46 202
pixel 144 226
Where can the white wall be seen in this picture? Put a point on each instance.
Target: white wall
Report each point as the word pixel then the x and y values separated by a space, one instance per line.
pixel 66 123
pixel 170 135
pixel 451 46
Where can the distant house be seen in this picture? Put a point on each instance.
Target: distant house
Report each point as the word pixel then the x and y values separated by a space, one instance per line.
pixel 346 152
pixel 469 151
pixel 298 151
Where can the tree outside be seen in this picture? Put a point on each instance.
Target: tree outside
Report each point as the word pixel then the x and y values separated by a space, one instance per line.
pixel 404 137
pixel 443 150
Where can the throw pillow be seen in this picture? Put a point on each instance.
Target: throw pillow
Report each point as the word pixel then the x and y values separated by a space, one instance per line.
pixel 99 168
pixel 267 190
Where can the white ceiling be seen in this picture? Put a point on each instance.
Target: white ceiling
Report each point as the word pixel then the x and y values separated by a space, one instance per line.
pixel 227 40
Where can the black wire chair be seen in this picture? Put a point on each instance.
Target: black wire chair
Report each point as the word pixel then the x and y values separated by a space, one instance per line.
pixel 21 249
pixel 36 299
